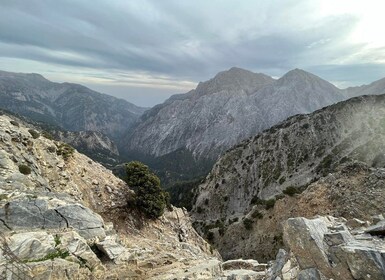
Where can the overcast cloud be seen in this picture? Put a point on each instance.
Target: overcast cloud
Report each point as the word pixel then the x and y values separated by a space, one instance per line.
pixel 144 51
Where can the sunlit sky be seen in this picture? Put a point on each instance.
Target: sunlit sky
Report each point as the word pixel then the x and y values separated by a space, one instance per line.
pixel 145 51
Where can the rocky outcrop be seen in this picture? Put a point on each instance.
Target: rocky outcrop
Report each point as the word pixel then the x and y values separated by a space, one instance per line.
pixel 70 106
pixel 325 248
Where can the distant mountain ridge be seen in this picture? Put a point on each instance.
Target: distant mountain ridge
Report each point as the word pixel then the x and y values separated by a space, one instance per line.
pixel 222 111
pixel 70 106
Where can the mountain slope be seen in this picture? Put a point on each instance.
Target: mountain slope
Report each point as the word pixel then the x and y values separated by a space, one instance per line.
pixel 232 106
pixel 70 106
pixel 377 87
pixel 293 153
pixel 67 217
pixel 285 159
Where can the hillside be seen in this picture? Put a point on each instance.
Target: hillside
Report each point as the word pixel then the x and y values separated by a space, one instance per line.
pixel 70 106
pixel 286 159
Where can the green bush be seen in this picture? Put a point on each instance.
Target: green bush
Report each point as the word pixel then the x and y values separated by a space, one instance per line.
pixel 47 135
pixel 269 203
pixel 290 191
pixel 65 151
pixel 34 133
pixel 256 214
pixel 248 224
pixel 24 169
pixel 151 200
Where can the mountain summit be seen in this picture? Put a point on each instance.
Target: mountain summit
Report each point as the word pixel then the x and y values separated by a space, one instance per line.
pixel 232 106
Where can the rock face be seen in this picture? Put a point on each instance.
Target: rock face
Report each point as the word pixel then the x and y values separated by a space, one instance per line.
pixel 288 158
pixel 232 106
pixel 92 141
pixel 326 247
pixel 70 106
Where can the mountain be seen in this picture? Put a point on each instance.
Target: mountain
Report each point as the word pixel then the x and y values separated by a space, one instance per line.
pixel 284 160
pixel 71 106
pixel 232 106
pixel 94 144
pixel 377 87
pixel 64 216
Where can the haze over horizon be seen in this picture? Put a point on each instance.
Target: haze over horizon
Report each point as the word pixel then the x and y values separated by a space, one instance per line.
pixel 145 51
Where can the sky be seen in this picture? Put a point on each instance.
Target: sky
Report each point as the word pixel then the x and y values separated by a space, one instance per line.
pixel 146 50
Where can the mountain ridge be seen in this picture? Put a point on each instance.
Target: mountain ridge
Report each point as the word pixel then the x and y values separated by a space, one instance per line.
pixel 72 106
pixel 213 117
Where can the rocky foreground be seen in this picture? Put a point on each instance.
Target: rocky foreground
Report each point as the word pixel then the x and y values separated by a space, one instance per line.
pixel 63 216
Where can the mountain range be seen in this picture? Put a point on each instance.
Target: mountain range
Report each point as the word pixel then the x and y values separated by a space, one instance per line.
pixel 70 106
pixel 194 128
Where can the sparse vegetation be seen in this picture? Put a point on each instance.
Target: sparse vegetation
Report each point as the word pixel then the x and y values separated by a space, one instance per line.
pixel 248 223
pixel 270 203
pixel 24 169
pixel 257 215
pixel 47 135
pixel 290 191
pixel 65 150
pixel 62 254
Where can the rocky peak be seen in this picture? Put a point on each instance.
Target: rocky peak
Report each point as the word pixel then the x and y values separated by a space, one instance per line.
pixel 299 77
pixel 234 79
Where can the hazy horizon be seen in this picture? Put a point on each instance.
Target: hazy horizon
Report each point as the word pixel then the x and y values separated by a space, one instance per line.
pixel 146 51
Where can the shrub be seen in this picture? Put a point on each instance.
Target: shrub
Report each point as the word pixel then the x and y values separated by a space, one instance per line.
pixel 248 224
pixel 24 169
pixel 269 203
pixel 47 135
pixel 34 133
pixel 210 236
pixel 151 200
pixel 290 191
pixel 65 151
pixel 257 214
pixel 15 123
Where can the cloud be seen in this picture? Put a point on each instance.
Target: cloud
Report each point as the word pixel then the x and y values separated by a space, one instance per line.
pixel 175 44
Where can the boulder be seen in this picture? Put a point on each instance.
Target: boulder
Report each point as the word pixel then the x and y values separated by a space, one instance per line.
pixel 325 248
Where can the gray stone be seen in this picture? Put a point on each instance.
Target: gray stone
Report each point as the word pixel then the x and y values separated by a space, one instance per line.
pixel 309 274
pixel 276 269
pixel 40 213
pixel 337 238
pixel 29 246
